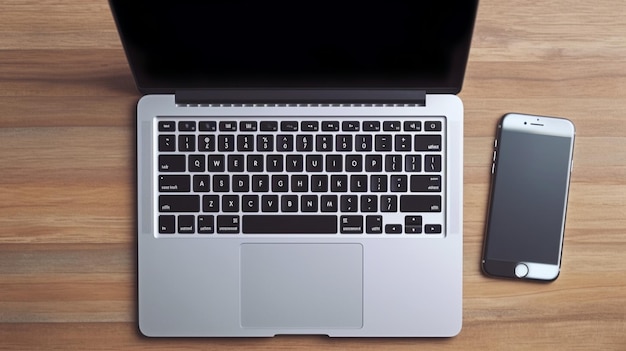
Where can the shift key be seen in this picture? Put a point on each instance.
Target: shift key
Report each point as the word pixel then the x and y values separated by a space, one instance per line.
pixel 179 203
pixel 420 203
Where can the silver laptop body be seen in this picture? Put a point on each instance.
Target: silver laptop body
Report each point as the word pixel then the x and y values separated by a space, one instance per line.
pixel 299 211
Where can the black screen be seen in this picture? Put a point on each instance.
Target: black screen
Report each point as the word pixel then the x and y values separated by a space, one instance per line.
pixel 351 44
pixel 529 198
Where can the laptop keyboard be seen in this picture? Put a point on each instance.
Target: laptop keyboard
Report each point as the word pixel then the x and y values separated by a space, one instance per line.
pixel 344 176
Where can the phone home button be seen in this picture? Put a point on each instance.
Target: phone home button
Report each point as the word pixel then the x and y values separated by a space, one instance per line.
pixel 521 270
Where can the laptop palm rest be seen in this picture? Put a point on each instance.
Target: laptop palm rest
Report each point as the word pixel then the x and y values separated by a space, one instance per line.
pixel 302 286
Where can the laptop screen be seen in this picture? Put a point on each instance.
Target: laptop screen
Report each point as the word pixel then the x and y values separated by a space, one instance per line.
pixel 296 44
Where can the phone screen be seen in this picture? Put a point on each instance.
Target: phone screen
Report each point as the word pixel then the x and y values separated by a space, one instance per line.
pixel 529 196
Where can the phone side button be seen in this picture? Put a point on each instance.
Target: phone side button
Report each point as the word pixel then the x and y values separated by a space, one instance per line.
pixel 521 270
pixel 493 167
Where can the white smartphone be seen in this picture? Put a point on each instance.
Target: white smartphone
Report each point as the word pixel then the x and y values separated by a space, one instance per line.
pixel 532 163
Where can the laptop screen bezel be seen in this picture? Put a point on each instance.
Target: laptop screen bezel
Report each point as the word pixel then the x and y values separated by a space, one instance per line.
pixel 156 82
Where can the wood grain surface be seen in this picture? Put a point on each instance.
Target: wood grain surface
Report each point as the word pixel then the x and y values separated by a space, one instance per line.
pixel 67 188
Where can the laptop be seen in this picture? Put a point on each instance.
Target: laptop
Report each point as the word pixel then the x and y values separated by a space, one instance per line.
pixel 299 166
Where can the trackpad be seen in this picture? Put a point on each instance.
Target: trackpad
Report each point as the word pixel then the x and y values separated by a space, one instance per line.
pixel 302 285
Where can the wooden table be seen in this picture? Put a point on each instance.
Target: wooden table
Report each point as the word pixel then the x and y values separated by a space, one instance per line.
pixel 67 187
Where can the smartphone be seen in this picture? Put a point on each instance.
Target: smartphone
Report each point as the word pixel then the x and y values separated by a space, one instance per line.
pixel 530 176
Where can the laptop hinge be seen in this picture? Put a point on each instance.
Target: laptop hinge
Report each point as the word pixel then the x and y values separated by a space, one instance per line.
pixel 301 96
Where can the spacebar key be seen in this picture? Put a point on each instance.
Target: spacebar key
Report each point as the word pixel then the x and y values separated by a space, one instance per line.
pixel 289 224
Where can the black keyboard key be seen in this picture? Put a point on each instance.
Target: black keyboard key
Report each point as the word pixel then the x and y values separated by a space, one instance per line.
pixel 389 203
pixel 255 163
pixel 221 183
pixel 289 203
pixel 425 183
pixel 330 126
pixel 308 203
pixel 280 183
pixel 228 224
pixel 300 183
pixel 371 126
pixel 334 163
pixel 260 183
pixel 339 183
pixel 241 183
pixel 197 163
pixel 269 126
pixel 349 203
pixel 363 143
pixel 432 228
pixel 186 143
pixel 420 203
pixel 304 142
pixel 310 126
pixel 412 126
pixel 328 203
pixel 398 183
pixel 275 163
pixel 250 203
pixel 393 228
pixel 314 163
pixel 174 183
pixel 186 224
pixel 225 143
pixel 167 143
pixel 391 126
pixel 358 183
pixel 206 224
pixel 230 203
pixel 432 126
pixel 383 142
pixel 432 163
pixel 228 126
pixel 245 142
pixel 179 203
pixel 319 183
pixel 265 143
pixel 374 224
pixel 350 126
pixel 269 203
pixel 284 143
pixel 369 203
pixel 344 143
pixel 206 142
pixel 373 163
pixel 236 163
pixel 413 229
pixel 187 126
pixel 248 126
pixel 201 183
pixel 216 163
pixel 295 163
pixel 289 126
pixel 354 163
pixel 413 163
pixel 207 126
pixel 351 224
pixel 427 143
pixel 172 163
pixel 289 224
pixel 167 126
pixel 393 163
pixel 413 220
pixel 167 224
pixel 210 203
pixel 403 142
pixel 324 142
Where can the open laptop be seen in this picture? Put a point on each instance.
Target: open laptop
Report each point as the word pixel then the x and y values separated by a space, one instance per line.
pixel 300 166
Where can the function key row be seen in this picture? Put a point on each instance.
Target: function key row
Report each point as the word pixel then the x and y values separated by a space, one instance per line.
pixel 294 126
